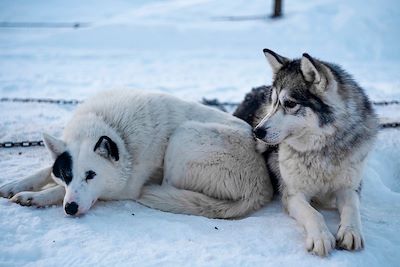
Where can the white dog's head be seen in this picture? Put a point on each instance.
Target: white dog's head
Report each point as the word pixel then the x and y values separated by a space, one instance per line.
pixel 85 169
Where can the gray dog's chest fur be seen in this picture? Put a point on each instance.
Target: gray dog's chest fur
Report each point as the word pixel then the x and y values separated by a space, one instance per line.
pixel 317 173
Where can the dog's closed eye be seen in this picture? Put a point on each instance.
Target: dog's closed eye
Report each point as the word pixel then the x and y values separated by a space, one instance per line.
pixel 90 175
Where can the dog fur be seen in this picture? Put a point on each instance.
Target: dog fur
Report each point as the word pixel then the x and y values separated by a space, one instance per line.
pixel 166 153
pixel 325 127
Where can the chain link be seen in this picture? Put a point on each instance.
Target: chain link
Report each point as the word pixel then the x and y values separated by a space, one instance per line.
pixel 42 100
pixel 210 102
pixel 386 103
pixel 21 144
pixel 390 125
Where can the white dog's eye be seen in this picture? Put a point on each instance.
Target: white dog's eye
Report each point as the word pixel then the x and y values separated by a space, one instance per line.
pixel 289 104
pixel 90 175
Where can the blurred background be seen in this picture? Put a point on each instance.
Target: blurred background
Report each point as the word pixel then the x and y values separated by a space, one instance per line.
pixel 190 48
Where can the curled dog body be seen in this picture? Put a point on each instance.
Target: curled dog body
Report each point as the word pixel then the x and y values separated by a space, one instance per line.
pixel 163 152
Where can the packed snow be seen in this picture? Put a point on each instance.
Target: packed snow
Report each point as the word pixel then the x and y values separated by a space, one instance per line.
pixel 187 49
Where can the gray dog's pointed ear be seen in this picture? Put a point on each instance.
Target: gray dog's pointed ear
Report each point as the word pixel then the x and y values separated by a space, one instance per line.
pixel 309 69
pixel 107 148
pixel 316 72
pixel 275 61
pixel 55 146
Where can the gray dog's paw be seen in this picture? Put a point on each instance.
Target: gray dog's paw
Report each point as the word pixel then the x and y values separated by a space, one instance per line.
pixel 320 243
pixel 349 238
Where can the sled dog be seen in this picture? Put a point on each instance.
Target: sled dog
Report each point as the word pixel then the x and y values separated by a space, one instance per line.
pixel 163 152
pixel 323 126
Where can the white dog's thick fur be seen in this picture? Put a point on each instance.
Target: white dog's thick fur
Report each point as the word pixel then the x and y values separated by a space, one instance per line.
pixel 165 153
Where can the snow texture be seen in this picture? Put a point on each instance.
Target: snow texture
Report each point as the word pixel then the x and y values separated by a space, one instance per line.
pixel 185 48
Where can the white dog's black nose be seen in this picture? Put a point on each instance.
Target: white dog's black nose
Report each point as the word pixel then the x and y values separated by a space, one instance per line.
pixel 260 132
pixel 71 208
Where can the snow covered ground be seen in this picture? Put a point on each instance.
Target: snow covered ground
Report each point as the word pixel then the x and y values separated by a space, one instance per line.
pixel 183 48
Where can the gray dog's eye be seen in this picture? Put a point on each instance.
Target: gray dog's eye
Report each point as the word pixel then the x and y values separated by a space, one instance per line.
pixel 289 104
pixel 90 175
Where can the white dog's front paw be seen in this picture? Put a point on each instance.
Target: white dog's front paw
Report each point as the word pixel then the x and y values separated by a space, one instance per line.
pixel 320 242
pixel 27 199
pixel 349 238
pixel 10 189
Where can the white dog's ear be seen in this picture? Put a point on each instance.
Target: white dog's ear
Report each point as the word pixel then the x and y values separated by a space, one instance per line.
pixel 275 61
pixel 107 148
pixel 308 67
pixel 55 146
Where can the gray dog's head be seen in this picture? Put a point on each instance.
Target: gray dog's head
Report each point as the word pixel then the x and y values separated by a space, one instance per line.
pixel 300 108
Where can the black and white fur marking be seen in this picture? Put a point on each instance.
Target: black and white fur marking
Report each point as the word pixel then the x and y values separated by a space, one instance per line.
pixel 161 151
pixel 325 127
pixel 62 168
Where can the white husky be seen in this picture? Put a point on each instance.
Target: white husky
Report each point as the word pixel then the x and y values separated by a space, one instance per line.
pixel 165 153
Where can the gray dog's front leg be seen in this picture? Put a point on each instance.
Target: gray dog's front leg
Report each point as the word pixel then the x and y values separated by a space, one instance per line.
pixel 319 239
pixel 349 235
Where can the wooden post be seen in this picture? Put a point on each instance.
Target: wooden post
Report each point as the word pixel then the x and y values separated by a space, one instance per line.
pixel 277 9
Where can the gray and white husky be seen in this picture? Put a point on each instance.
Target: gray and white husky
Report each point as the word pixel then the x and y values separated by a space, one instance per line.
pixel 325 127
pixel 166 153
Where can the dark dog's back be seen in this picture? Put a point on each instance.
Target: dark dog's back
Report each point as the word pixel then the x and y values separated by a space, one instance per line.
pixel 247 111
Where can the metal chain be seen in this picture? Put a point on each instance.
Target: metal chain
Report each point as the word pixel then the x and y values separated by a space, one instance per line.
pixel 386 103
pixel 216 102
pixel 210 102
pixel 34 100
pixel 42 100
pixel 390 125
pixel 21 144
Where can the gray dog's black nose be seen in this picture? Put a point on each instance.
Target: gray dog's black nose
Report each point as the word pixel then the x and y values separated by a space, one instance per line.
pixel 71 208
pixel 260 132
